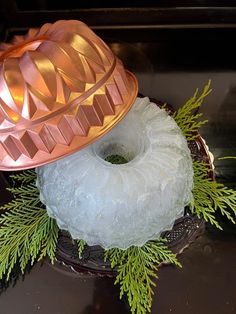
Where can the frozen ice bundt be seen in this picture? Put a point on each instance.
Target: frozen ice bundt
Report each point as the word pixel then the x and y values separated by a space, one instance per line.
pixel 127 204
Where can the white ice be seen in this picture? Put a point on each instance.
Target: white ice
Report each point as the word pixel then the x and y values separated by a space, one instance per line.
pixel 122 205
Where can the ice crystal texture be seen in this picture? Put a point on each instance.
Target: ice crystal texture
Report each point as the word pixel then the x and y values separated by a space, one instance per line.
pixel 127 204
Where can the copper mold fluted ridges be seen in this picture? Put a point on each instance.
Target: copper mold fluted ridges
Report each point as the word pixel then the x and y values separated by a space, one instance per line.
pixel 61 88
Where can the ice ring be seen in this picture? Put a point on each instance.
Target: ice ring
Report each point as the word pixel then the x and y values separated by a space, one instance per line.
pixel 120 205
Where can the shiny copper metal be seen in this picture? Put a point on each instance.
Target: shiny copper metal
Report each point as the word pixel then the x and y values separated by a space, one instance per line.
pixel 61 88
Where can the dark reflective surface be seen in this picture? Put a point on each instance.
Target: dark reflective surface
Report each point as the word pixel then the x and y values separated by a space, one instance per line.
pixel 206 284
pixel 170 70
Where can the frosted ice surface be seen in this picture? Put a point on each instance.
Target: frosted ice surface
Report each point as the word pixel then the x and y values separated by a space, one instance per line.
pixel 122 205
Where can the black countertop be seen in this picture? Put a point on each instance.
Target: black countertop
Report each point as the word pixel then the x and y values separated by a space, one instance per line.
pixel 205 284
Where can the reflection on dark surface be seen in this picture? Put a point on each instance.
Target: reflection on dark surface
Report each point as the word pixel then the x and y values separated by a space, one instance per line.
pixel 227 112
pixel 169 70
pixel 175 87
pixel 206 284
pixel 105 298
pixel 224 141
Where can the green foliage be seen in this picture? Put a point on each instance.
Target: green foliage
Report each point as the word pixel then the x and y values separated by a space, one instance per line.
pixel 137 270
pixel 227 157
pixel 27 233
pixel 116 159
pixel 210 196
pixel 24 176
pixel 186 116
pixel 81 246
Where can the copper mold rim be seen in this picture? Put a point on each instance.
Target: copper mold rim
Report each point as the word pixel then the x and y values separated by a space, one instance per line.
pixel 184 232
pixel 46 110
pixel 78 142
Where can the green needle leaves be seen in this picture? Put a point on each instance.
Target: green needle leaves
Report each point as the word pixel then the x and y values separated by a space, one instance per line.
pixel 211 197
pixel 137 270
pixel 186 116
pixel 27 233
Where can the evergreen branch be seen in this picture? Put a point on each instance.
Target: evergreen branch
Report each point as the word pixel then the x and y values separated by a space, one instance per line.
pixel 210 196
pixel 227 157
pixel 187 119
pixel 29 189
pixel 116 159
pixel 136 271
pixel 81 246
pixel 24 176
pixel 49 242
pixel 27 233
pixel 25 195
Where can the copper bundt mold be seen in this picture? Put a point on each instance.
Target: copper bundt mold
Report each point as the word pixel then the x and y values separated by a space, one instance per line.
pixel 61 88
